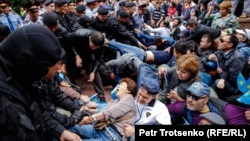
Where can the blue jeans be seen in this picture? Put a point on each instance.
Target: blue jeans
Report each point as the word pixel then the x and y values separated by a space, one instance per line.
pixel 89 133
pixel 124 48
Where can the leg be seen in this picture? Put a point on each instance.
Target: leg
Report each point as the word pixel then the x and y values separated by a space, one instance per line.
pixel 234 5
pixel 98 86
pixel 246 8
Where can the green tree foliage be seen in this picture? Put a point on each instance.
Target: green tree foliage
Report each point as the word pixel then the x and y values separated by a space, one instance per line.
pixel 17 4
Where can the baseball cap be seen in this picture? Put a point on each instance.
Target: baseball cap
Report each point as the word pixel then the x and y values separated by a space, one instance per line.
pixel 60 2
pixel 102 11
pixel 123 13
pixel 246 33
pixel 151 85
pixel 80 8
pixel 129 4
pixel 199 89
pixel 214 118
pixel 32 6
pixel 90 1
pixel 48 2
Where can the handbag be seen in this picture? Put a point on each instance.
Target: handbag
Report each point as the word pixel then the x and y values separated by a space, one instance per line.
pixel 99 125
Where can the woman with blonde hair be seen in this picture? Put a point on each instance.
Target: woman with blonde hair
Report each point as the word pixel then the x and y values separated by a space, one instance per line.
pixel 223 19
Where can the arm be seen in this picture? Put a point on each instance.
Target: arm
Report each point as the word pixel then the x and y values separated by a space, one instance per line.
pixel 115 111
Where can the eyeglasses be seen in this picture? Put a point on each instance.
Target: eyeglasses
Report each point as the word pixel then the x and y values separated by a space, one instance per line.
pixel 222 41
pixel 194 97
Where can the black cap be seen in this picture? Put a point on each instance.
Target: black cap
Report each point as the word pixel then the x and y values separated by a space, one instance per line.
pixel 130 4
pixel 123 13
pixel 122 3
pixel 50 19
pixel 4 3
pixel 80 8
pixel 48 2
pixel 102 11
pixel 142 6
pixel 32 6
pixel 84 20
pixel 60 2
pixel 69 1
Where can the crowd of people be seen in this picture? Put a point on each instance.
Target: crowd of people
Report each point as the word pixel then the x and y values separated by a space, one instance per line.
pixel 170 62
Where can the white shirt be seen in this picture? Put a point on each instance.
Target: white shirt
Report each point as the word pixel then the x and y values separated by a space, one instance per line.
pixel 157 114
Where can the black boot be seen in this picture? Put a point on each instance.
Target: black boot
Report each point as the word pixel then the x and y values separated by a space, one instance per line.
pixel 101 97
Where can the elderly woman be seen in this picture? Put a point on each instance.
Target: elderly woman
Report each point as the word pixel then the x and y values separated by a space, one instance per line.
pixel 180 77
pixel 243 45
pixel 119 112
pixel 223 19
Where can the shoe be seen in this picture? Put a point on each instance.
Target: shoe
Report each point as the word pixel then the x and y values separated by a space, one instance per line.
pixel 101 97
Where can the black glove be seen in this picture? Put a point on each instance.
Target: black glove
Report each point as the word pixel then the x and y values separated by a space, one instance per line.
pixel 78 115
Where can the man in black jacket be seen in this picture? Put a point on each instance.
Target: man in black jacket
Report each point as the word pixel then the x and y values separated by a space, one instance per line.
pixel 198 30
pixel 90 46
pixel 25 56
pixel 114 29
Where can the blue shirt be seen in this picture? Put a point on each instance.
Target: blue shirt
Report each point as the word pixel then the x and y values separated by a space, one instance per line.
pixel 14 18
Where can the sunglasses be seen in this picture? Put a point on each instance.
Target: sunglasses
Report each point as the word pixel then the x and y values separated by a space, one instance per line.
pixel 222 41
pixel 194 97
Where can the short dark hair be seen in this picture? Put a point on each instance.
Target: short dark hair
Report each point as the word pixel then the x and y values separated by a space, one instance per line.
pixel 157 39
pixel 209 38
pixel 233 39
pixel 180 47
pixel 97 38
pixel 192 22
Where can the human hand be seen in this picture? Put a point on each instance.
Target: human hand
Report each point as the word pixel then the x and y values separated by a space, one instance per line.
pixel 112 76
pixel 173 95
pixel 64 84
pixel 129 130
pixel 91 77
pixel 219 70
pixel 69 136
pixel 78 61
pixel 161 71
pixel 247 114
pixel 221 84
pixel 212 57
pixel 85 120
pixel 142 46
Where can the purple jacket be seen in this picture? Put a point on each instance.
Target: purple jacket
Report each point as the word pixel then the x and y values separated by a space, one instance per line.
pixel 235 114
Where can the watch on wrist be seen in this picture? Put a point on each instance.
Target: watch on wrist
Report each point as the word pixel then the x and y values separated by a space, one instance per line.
pixel 94 117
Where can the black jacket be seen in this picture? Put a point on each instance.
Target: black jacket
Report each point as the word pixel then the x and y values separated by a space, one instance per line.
pixel 115 30
pixel 80 41
pixel 200 30
pixel 231 64
pixel 49 96
pixel 24 58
